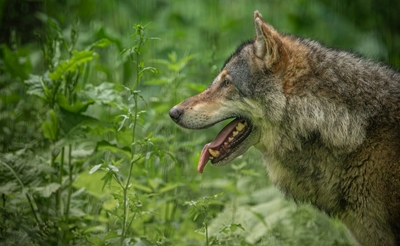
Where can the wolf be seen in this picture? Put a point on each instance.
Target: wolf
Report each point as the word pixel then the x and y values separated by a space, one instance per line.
pixel 326 121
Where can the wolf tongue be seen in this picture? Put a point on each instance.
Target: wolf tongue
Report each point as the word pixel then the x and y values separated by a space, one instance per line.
pixel 204 157
pixel 222 135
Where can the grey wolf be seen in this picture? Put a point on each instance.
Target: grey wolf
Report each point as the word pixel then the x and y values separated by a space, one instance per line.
pixel 326 121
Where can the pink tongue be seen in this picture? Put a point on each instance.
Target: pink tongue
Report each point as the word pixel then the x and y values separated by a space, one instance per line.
pixel 222 135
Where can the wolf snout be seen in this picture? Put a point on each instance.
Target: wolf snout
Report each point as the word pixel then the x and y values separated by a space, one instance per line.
pixel 175 113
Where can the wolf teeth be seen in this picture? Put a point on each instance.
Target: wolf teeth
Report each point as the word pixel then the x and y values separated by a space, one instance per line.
pixel 234 133
pixel 230 139
pixel 240 126
pixel 214 153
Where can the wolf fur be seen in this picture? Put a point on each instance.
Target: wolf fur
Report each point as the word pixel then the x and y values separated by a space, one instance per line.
pixel 326 121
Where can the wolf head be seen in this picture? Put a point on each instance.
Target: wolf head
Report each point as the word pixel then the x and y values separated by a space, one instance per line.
pixel 268 87
pixel 247 77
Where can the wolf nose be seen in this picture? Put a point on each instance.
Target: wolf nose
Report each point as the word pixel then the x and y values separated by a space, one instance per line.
pixel 175 113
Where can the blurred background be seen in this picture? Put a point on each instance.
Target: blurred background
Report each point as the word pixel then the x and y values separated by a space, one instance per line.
pixel 88 153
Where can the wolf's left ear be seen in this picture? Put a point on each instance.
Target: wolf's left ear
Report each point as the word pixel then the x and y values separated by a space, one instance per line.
pixel 268 44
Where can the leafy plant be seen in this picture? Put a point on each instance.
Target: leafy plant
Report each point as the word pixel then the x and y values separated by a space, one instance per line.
pixel 49 194
pixel 200 208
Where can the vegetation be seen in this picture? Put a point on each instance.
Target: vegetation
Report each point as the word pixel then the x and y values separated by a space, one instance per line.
pixel 88 154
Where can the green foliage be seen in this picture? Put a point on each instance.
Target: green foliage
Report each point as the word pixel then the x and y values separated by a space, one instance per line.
pixel 89 155
pixel 50 127
pixel 78 58
pixel 201 208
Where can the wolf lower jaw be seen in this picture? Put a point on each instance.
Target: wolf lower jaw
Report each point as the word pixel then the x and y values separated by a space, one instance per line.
pixel 246 135
pixel 240 149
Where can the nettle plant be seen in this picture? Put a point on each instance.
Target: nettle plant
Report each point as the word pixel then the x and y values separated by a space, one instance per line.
pixel 133 154
pixel 66 126
pixel 76 136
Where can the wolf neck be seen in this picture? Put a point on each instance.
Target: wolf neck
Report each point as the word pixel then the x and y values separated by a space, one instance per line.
pixel 308 180
pixel 308 173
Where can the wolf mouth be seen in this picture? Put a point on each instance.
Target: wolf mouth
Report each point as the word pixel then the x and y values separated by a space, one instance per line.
pixel 226 142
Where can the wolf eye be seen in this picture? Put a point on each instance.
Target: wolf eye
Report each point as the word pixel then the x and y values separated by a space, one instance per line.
pixel 227 83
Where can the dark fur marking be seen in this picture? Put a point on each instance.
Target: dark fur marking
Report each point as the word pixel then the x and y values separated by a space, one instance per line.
pixel 237 51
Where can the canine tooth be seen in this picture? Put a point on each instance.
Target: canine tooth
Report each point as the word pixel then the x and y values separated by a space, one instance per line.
pixel 226 143
pixel 211 158
pixel 240 126
pixel 214 153
pixel 230 139
pixel 234 133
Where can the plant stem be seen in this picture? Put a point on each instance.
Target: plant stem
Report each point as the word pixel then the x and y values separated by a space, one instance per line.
pixel 205 225
pixel 60 178
pixel 52 162
pixel 134 90
pixel 52 177
pixel 69 182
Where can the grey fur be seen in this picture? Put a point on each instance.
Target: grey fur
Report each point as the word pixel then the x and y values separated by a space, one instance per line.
pixel 326 121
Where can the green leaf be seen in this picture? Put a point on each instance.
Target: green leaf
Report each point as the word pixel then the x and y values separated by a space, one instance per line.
pixel 69 121
pixel 71 65
pixel 104 93
pixel 107 179
pixel 102 43
pixel 142 188
pixel 47 190
pixel 260 217
pixel 9 187
pixel 111 234
pixel 39 86
pixel 78 107
pixel 196 216
pixel 117 163
pixel 234 227
pixel 113 168
pixel 103 145
pixel 201 230
pixel 16 65
pixel 175 65
pixel 95 168
pixel 190 203
pixel 91 183
pixel 50 128
pixel 168 187
pixel 35 86
pixel 124 51
pixel 150 69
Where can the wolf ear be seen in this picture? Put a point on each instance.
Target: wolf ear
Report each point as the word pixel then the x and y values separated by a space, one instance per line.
pixel 268 42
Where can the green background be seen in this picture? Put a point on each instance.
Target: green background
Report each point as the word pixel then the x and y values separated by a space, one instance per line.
pixel 68 95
